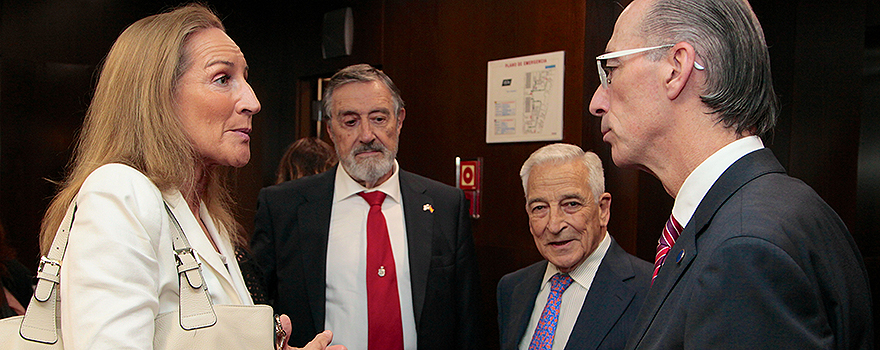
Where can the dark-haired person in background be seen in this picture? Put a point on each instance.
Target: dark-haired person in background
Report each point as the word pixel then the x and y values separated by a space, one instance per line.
pixel 304 157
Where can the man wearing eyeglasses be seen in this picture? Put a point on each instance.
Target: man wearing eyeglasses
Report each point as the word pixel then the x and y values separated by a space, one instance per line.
pixel 750 257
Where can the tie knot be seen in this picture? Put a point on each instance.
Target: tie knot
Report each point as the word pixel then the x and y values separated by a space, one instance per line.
pixel 373 198
pixel 559 282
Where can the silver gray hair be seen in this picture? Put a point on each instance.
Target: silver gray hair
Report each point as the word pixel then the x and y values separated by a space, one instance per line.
pixel 730 42
pixel 561 153
pixel 359 73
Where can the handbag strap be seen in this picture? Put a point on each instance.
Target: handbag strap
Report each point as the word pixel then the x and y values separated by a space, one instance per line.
pixel 40 321
pixel 196 310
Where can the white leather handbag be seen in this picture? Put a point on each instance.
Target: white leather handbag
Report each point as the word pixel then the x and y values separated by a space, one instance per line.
pixel 197 324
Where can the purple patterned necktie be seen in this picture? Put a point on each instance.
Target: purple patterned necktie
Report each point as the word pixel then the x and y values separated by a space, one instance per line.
pixel 543 338
pixel 670 233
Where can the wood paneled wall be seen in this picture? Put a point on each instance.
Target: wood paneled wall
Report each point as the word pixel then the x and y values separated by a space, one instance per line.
pixel 437 53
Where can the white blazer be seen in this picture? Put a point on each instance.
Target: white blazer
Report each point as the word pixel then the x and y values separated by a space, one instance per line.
pixel 119 269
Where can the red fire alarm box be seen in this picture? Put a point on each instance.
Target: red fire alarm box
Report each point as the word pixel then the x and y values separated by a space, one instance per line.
pixel 469 176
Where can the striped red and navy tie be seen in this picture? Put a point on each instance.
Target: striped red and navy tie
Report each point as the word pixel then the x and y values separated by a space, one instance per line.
pixel 670 233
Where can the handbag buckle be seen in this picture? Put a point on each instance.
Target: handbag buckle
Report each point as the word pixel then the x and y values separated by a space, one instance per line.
pixel 179 253
pixel 46 261
pixel 188 266
pixel 50 271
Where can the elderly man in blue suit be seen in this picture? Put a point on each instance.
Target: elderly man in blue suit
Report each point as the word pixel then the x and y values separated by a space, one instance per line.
pixel 588 291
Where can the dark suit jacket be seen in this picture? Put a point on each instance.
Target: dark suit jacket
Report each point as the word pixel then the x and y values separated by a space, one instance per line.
pixel 290 246
pixel 764 263
pixel 609 310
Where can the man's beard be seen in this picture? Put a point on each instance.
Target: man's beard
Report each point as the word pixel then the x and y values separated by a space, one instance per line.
pixel 369 169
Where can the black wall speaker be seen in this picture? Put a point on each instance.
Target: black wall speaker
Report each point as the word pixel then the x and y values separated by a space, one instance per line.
pixel 337 33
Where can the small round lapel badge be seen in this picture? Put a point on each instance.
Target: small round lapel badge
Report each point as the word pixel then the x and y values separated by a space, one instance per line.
pixel 680 256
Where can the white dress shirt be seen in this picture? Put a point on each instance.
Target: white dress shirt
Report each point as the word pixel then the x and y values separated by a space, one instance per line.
pixel 346 294
pixel 698 183
pixel 119 270
pixel 572 299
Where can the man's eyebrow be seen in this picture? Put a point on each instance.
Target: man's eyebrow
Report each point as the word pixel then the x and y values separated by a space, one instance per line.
pixel 354 112
pixel 381 110
pixel 572 196
pixel 535 200
pixel 564 197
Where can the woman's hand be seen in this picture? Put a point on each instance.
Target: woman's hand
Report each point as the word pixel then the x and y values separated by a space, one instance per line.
pixel 319 343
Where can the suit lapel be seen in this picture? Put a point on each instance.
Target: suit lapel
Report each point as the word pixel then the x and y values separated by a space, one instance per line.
pixel 313 232
pixel 523 295
pixel 419 233
pixel 608 295
pixel 683 253
pixel 666 280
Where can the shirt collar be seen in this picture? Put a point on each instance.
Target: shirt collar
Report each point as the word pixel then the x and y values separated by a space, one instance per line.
pixel 347 187
pixel 698 183
pixel 582 274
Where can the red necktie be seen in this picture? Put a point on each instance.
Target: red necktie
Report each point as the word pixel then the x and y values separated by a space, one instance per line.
pixel 670 233
pixel 385 328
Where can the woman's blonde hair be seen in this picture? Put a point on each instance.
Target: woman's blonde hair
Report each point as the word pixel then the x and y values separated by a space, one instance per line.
pixel 132 119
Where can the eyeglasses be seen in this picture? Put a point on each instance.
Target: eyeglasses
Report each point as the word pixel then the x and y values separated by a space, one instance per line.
pixel 605 71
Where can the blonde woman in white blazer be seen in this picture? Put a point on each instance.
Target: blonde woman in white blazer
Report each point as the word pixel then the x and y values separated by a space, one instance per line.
pixel 172 111
pixel 119 256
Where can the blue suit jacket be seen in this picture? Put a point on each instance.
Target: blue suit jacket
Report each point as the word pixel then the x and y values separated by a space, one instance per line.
pixel 290 246
pixel 609 310
pixel 764 263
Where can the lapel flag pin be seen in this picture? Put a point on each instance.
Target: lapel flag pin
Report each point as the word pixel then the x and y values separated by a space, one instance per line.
pixel 428 207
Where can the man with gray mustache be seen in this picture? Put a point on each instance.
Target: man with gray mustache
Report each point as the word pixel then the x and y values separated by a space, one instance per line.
pixel 382 257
